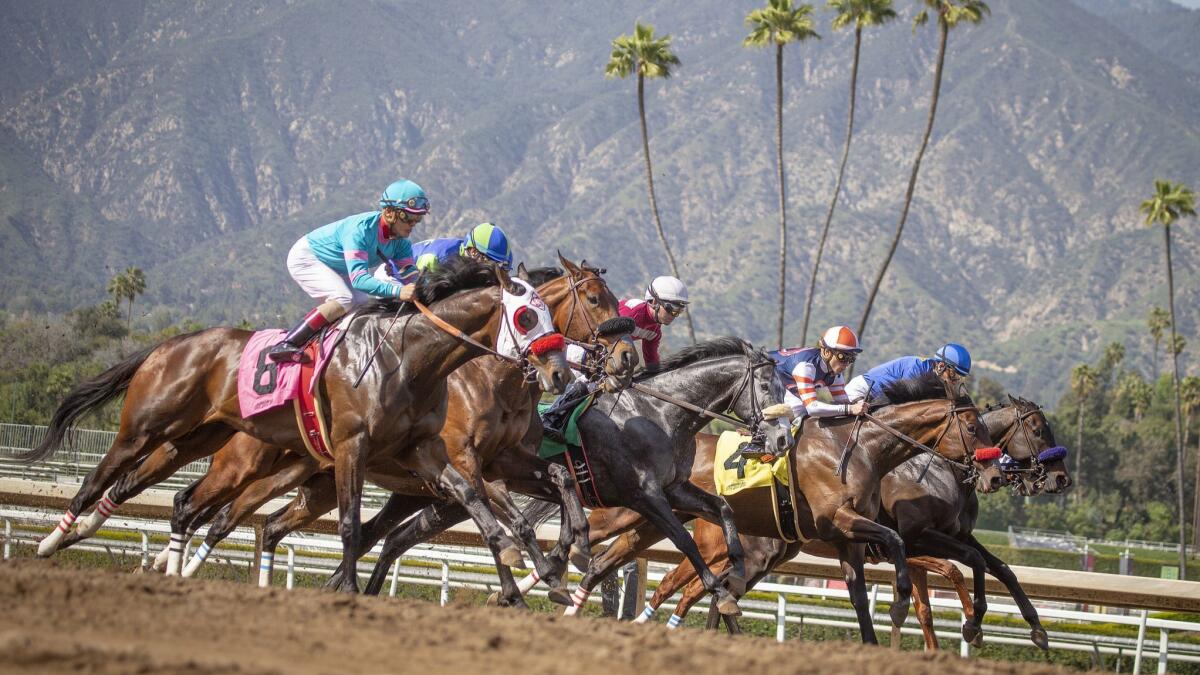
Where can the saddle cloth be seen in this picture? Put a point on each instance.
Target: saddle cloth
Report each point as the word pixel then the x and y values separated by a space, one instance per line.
pixel 573 454
pixel 733 473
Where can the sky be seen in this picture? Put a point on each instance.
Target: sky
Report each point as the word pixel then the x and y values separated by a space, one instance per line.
pixel 1194 4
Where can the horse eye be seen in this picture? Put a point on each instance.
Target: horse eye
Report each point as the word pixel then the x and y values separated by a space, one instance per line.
pixel 971 429
pixel 594 300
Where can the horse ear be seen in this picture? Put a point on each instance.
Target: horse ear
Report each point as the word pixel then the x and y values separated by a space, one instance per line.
pixel 522 273
pixel 569 266
pixel 1010 398
pixel 507 283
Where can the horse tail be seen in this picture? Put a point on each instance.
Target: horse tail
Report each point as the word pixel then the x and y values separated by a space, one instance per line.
pixel 91 394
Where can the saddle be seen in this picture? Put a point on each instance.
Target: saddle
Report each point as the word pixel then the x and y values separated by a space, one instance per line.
pixel 573 454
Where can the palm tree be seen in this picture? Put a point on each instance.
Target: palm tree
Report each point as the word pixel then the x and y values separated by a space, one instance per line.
pixel 135 285
pixel 649 57
pixel 118 287
pixel 1083 383
pixel 1189 399
pixel 950 13
pixel 1158 322
pixel 1164 208
pixel 860 13
pixel 779 23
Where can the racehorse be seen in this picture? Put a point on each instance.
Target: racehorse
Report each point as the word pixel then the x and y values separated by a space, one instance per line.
pixel 1022 421
pixel 184 390
pixel 1023 446
pixel 490 409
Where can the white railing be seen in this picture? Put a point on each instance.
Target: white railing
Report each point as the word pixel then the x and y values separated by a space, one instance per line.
pixel 457 567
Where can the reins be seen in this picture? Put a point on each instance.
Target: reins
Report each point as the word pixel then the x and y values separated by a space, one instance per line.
pixel 455 332
pixel 852 441
pixel 747 381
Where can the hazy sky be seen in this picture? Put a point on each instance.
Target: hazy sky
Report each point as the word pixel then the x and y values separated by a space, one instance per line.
pixel 1195 4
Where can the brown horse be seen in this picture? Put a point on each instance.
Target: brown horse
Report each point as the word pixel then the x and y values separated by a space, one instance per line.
pixel 841 515
pixel 763 553
pixel 184 391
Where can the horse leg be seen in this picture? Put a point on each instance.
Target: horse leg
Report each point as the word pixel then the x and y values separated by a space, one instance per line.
pixel 433 519
pixel 580 548
pixel 126 486
pixel 316 496
pixel 394 511
pixel 621 551
pixel 657 509
pixel 349 470
pixel 851 557
pixel 689 498
pixel 599 525
pixel 952 574
pixel 524 532
pixel 934 543
pixel 1002 572
pixel 921 605
pixel 469 495
pixel 859 529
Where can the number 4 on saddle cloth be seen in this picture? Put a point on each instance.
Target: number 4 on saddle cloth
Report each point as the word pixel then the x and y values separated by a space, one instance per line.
pixel 756 482
pixel 265 385
pixel 572 453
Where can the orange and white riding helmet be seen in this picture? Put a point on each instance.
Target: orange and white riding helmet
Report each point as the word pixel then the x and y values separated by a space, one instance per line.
pixel 842 339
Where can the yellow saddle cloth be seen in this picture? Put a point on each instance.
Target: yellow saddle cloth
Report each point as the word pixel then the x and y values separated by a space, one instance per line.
pixel 733 473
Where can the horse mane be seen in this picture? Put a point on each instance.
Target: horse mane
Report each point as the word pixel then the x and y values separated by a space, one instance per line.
pixel 543 275
pixel 924 387
pixel 721 346
pixel 454 275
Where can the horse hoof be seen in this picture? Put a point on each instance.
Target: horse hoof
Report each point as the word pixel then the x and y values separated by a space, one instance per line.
pixel 560 596
pixel 735 585
pixel 1038 635
pixel 727 605
pixel 899 612
pixel 972 634
pixel 579 559
pixel 512 557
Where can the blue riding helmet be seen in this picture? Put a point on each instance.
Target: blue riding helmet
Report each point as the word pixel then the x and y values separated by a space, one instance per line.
pixel 490 240
pixel 406 195
pixel 956 356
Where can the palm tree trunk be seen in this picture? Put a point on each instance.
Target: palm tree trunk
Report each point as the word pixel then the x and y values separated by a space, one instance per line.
pixel 1077 494
pixel 943 37
pixel 662 236
pixel 837 187
pixel 782 193
pixel 1155 362
pixel 1196 504
pixel 1180 450
pixel 129 315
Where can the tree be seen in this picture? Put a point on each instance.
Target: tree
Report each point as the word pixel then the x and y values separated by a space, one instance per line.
pixel 1083 383
pixel 779 23
pixel 1133 389
pixel 649 57
pixel 128 285
pixel 860 13
pixel 1114 354
pixel 1170 201
pixel 1189 400
pixel 1158 322
pixel 950 13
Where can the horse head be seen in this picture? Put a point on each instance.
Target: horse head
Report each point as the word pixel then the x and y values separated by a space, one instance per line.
pixel 529 325
pixel 1036 464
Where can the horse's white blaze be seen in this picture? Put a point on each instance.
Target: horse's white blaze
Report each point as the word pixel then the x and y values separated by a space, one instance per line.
pixel 264 569
pixel 197 560
pixel 50 543
pixel 175 554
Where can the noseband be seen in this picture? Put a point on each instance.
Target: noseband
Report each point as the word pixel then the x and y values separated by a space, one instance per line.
pixel 1036 469
pixel 597 354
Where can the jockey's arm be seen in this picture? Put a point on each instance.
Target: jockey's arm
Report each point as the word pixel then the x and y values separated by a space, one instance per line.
pixel 805 376
pixel 650 356
pixel 356 255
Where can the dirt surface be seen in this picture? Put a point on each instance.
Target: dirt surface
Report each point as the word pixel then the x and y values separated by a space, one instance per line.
pixel 55 619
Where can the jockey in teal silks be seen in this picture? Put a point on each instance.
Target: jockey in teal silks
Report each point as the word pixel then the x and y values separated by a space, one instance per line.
pixel 952 363
pixel 333 263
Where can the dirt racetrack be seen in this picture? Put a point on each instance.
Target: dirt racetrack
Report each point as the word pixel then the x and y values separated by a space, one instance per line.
pixel 59 619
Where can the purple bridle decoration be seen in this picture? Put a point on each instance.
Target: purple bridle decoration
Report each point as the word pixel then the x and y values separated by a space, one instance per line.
pixel 1051 454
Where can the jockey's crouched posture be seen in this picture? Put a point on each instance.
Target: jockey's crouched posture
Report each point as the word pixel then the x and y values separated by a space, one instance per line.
pixel 952 363
pixel 332 263
pixel 666 298
pixel 804 370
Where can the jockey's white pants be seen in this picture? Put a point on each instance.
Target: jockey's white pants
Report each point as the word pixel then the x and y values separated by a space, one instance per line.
pixel 319 280
pixel 857 388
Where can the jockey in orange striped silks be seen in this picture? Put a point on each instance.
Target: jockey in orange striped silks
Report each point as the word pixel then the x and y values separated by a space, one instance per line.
pixel 804 370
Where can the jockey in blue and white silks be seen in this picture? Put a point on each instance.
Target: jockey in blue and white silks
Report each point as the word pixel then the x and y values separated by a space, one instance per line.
pixel 952 363
pixel 803 371
pixel 333 263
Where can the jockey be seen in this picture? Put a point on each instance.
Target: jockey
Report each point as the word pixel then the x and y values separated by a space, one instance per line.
pixel 952 363
pixel 803 371
pixel 332 263
pixel 486 242
pixel 666 298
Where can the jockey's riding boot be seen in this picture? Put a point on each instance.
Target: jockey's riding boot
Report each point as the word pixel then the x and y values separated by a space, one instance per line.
pixel 292 346
pixel 554 420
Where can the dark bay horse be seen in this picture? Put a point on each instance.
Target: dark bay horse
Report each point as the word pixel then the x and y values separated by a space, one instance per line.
pixel 1020 422
pixel 764 553
pixel 490 409
pixel 184 390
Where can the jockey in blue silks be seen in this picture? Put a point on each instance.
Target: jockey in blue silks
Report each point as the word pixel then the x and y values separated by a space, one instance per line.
pixel 333 263
pixel 952 363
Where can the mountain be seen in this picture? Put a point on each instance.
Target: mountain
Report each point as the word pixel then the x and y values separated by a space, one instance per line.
pixel 1164 27
pixel 200 141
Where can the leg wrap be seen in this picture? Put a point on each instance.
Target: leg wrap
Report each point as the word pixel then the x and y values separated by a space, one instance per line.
pixel 50 543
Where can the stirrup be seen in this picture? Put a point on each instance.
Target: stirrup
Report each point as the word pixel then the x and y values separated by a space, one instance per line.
pixel 286 352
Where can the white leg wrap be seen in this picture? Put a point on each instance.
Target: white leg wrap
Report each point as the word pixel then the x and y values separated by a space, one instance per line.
pixel 104 510
pixel 264 569
pixel 50 544
pixel 160 560
pixel 674 621
pixel 646 615
pixel 197 560
pixel 528 582
pixel 579 597
pixel 175 554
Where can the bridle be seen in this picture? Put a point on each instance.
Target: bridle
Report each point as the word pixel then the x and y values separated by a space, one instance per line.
pixel 966 465
pixel 596 353
pixel 1036 468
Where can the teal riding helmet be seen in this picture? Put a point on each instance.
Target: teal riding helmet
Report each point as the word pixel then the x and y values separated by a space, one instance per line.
pixel 406 195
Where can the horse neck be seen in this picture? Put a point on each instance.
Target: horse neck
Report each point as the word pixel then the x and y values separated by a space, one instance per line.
pixel 887 452
pixel 1000 424
pixel 475 312
pixel 709 384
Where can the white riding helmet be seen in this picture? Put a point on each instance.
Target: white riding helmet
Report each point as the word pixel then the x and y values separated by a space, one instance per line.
pixel 667 289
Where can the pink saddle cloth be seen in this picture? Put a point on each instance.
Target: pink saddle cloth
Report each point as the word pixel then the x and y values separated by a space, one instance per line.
pixel 264 384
